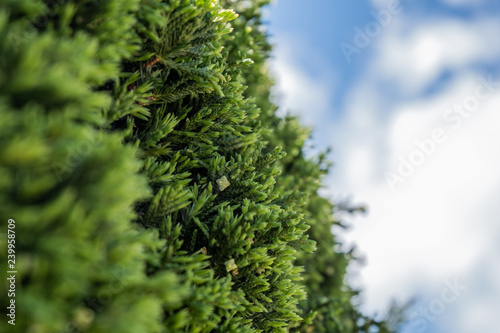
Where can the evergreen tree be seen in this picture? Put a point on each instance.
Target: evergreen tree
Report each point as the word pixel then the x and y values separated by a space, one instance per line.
pixel 154 188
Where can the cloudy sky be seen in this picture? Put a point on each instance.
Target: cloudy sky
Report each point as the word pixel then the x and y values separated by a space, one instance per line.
pixel 407 93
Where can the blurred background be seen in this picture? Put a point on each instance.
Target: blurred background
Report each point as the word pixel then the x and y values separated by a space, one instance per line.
pixel 407 93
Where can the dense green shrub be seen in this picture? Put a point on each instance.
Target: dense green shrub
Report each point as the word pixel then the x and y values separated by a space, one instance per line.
pixel 144 164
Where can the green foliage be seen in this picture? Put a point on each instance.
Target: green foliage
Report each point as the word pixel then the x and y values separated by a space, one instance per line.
pixel 144 164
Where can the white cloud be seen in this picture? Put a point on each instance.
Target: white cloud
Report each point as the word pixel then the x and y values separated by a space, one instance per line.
pixel 298 92
pixel 430 228
pixel 478 309
pixel 442 221
pixel 413 55
pixel 427 230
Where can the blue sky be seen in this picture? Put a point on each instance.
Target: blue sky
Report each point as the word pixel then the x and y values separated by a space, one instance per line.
pixel 325 24
pixel 414 120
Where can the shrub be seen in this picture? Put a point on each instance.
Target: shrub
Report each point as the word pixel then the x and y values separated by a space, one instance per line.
pixel 144 164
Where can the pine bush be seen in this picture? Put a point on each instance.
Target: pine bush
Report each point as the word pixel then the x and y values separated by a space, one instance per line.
pixel 153 186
